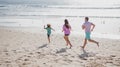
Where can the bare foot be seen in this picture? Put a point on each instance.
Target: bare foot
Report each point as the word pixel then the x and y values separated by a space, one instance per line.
pixel 70 46
pixel 82 47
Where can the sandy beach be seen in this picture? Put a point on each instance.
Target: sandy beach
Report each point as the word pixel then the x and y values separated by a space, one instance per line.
pixel 26 49
pixel 23 39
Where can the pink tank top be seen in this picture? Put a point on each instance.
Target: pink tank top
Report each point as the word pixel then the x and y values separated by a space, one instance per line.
pixel 66 30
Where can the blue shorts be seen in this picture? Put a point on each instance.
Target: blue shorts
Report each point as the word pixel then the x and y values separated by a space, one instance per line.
pixel 87 35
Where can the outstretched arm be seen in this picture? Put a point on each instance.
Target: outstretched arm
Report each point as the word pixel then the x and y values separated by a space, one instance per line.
pixel 63 28
pixel 44 27
pixel 93 26
pixel 53 29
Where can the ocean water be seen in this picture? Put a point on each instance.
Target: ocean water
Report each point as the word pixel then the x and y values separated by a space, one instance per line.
pixel 37 14
pixel 37 10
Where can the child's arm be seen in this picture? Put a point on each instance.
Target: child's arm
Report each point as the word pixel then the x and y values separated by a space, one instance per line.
pixel 53 29
pixel 44 27
pixel 93 26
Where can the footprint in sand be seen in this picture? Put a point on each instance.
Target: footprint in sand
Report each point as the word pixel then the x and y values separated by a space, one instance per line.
pixel 112 55
pixel 26 59
pixel 24 64
pixel 109 61
pixel 29 56
pixel 38 52
pixel 44 63
pixel 7 61
pixel 68 60
pixel 7 54
pixel 31 53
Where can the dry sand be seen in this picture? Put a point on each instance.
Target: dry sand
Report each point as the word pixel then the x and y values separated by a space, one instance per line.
pixel 25 49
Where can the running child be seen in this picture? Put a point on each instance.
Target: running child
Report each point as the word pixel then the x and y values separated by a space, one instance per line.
pixel 48 28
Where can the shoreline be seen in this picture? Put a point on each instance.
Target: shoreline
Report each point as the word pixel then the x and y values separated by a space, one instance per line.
pixel 73 33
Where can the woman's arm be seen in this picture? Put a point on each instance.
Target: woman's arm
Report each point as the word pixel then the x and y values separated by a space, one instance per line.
pixel 70 27
pixel 63 28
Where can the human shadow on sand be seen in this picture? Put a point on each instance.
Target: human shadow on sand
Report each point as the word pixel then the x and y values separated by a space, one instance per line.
pixel 44 45
pixel 62 50
pixel 86 54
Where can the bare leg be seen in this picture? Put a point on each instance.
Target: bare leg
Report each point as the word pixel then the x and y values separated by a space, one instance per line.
pixel 69 42
pixel 85 42
pixel 66 40
pixel 49 39
pixel 94 42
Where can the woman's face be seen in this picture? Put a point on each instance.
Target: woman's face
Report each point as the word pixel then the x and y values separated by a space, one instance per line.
pixel 66 23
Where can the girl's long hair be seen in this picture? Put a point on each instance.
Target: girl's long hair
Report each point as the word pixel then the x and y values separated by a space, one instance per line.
pixel 67 24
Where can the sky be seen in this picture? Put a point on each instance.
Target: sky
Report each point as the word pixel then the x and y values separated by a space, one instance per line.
pixel 71 2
